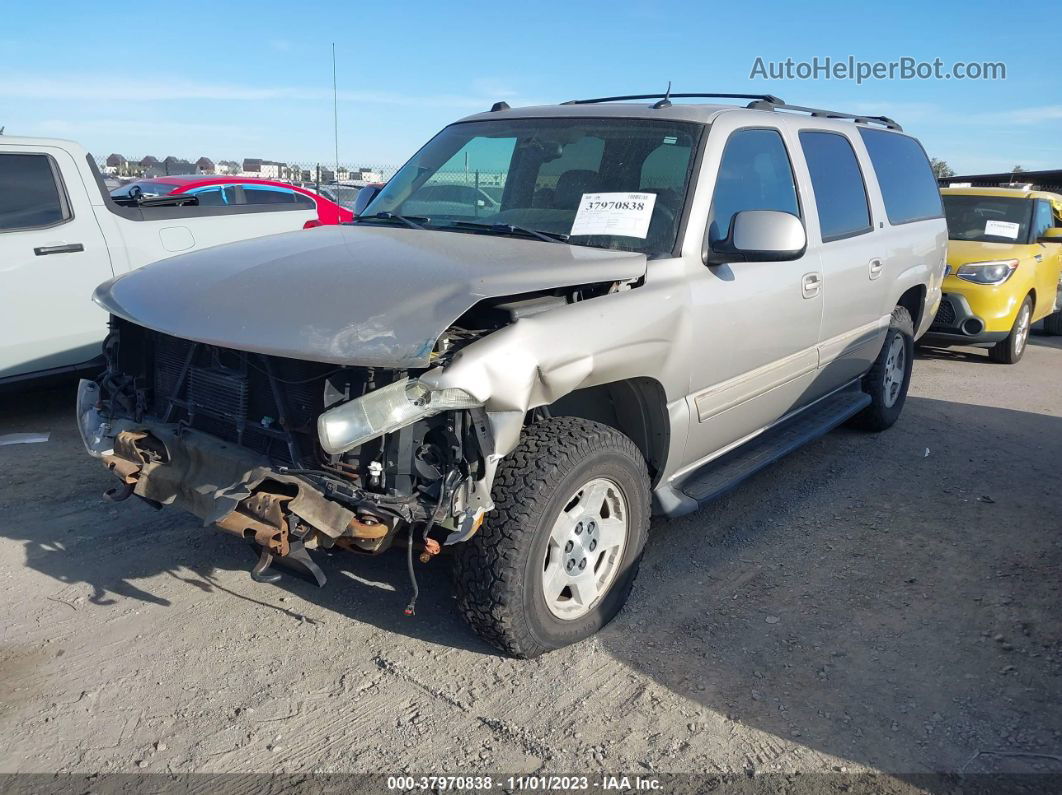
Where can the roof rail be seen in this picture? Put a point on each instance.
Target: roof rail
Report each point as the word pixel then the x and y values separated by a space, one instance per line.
pixel 762 97
pixel 766 104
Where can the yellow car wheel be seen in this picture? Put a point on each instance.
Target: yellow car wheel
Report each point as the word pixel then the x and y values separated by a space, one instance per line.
pixel 1011 349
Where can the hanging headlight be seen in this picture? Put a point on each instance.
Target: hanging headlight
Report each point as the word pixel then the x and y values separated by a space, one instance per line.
pixel 384 410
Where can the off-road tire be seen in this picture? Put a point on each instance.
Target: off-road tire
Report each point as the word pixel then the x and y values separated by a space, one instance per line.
pixel 497 572
pixel 1053 324
pixel 1006 351
pixel 878 416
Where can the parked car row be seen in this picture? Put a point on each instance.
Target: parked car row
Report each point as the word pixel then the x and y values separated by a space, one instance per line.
pixel 61 234
pixel 233 192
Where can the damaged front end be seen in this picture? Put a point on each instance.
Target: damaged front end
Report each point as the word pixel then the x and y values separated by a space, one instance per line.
pixel 290 455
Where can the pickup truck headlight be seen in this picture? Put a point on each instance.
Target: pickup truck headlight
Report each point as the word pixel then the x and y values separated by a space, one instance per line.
pixel 384 410
pixel 994 272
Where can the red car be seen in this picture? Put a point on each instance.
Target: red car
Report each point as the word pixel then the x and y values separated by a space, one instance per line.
pixel 221 191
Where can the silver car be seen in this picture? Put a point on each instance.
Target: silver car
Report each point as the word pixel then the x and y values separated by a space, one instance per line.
pixel 663 299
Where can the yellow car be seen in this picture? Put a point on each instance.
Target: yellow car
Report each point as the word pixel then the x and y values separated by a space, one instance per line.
pixel 1004 269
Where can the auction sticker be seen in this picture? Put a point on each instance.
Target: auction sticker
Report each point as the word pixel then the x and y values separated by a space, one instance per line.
pixel 622 214
pixel 1002 229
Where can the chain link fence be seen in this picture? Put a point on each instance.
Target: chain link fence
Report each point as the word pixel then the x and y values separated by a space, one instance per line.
pixel 122 169
pixel 480 189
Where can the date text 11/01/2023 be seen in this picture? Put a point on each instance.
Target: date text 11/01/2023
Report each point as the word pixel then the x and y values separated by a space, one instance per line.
pixel 524 783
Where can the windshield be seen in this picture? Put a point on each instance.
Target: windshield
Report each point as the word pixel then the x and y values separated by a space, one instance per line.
pixel 988 219
pixel 610 183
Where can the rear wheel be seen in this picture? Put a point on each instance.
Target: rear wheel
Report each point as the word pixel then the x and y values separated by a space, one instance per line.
pixel 1011 349
pixel 555 560
pixel 1053 323
pixel 887 380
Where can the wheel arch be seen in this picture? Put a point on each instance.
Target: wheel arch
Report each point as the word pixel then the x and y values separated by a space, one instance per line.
pixel 913 300
pixel 636 407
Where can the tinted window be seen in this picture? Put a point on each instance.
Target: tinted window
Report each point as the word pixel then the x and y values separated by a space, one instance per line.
pixel 837 182
pixel 1044 219
pixel 755 174
pixel 267 194
pixel 303 200
pixel 215 195
pixel 904 175
pixel 29 195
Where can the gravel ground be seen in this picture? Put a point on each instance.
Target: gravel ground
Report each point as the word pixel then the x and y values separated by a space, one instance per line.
pixel 871 603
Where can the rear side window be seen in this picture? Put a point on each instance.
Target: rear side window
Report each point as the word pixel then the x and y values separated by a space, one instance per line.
pixel 1043 220
pixel 754 174
pixel 906 179
pixel 270 194
pixel 840 195
pixel 30 194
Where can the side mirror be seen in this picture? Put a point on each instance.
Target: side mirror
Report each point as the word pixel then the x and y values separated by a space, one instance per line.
pixel 1052 235
pixel 364 197
pixel 757 236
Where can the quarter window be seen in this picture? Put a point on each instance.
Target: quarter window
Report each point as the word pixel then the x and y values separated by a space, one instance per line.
pixel 755 174
pixel 840 195
pixel 908 186
pixel 271 194
pixel 30 196
pixel 1043 221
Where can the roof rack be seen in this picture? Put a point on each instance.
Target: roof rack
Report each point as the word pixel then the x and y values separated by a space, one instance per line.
pixel 759 102
pixel 766 104
pixel 762 97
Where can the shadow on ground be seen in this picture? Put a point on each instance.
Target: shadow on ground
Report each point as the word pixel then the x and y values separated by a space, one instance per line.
pixel 905 621
pixel 857 598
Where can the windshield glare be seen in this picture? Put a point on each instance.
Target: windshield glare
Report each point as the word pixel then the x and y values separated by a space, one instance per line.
pixel 534 173
pixel 988 219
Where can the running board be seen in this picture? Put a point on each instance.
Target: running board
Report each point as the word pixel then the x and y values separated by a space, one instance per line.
pixel 718 477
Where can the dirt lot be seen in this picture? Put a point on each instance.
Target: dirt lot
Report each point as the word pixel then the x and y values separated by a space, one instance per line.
pixel 864 604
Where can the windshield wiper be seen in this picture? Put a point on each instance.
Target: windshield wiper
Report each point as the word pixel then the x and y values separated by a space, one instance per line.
pixel 408 220
pixel 513 229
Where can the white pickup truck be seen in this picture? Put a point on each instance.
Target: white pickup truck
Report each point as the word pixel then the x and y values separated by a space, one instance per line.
pixel 61 235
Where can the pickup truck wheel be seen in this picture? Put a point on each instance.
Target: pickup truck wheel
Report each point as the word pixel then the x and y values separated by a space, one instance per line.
pixel 887 380
pixel 1011 349
pixel 556 558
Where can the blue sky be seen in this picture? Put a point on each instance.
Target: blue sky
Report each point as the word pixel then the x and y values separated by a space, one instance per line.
pixel 236 79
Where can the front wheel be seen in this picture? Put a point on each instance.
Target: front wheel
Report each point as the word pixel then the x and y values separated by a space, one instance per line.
pixel 1010 349
pixel 557 557
pixel 889 377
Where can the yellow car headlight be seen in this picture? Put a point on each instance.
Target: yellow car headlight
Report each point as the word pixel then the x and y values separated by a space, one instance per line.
pixel 993 272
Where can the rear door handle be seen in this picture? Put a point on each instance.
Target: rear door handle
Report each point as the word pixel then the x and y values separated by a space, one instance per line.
pixel 876 267
pixel 65 248
pixel 811 284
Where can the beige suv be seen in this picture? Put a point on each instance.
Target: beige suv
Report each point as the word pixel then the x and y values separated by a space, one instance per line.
pixel 659 300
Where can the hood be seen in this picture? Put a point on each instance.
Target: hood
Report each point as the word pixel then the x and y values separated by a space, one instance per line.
pixel 362 295
pixel 961 252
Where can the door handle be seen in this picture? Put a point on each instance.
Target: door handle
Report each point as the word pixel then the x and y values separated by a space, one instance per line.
pixel 876 267
pixel 811 284
pixel 65 248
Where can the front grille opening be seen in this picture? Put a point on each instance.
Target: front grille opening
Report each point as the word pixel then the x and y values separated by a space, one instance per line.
pixel 268 404
pixel 945 314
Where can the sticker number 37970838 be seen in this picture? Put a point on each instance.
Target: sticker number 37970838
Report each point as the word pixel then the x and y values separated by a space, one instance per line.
pixel 621 214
